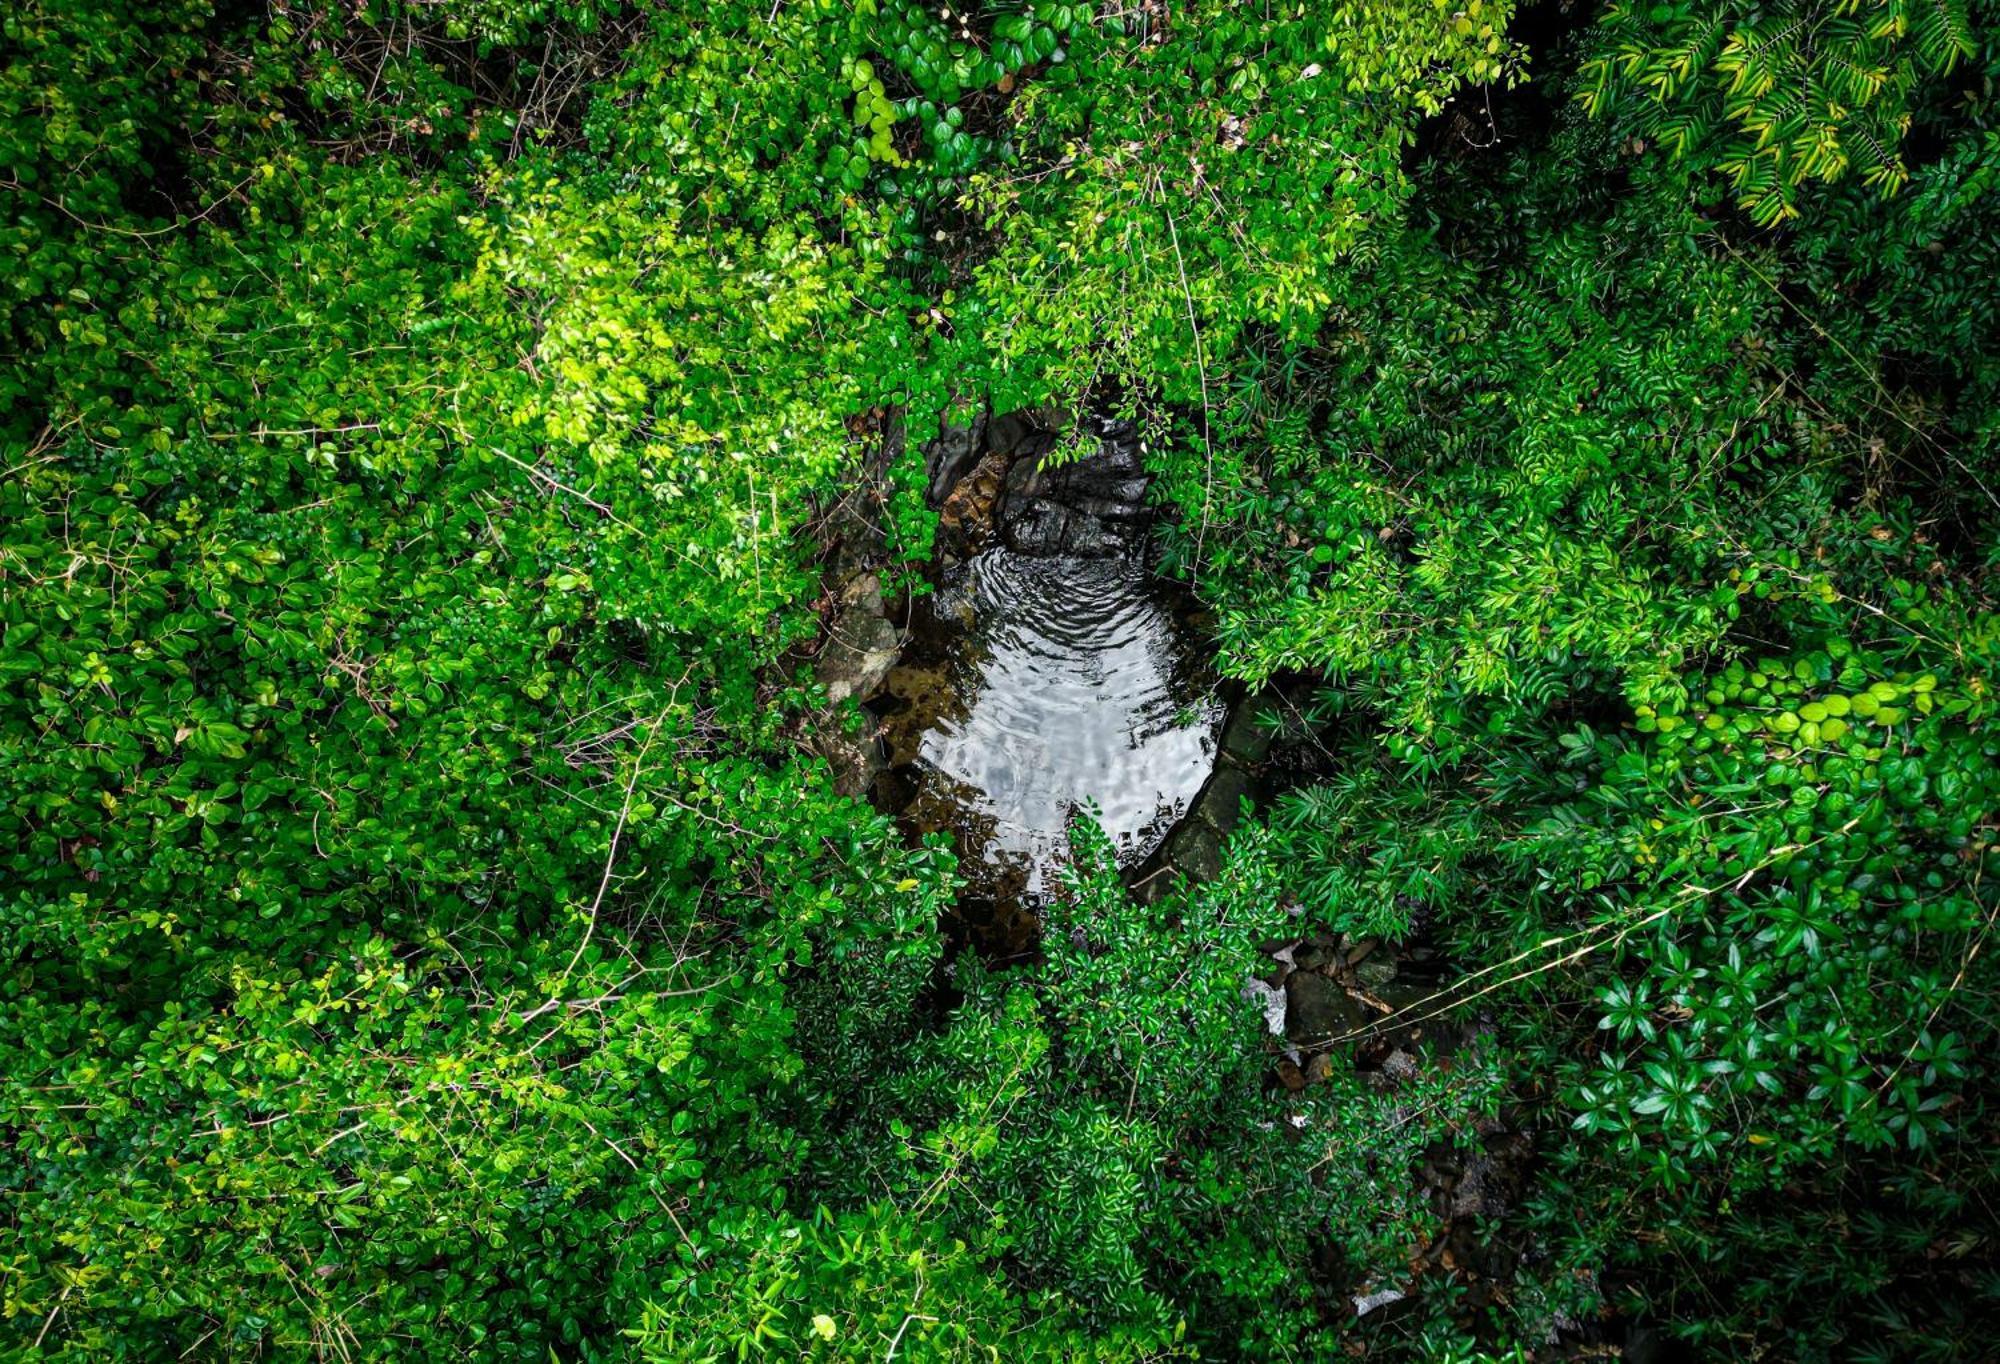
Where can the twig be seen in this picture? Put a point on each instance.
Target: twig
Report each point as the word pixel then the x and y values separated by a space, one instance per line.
pixel 897 1343
pixel 1598 935
pixel 175 226
pixel 1964 965
pixel 51 1320
pixel 1201 368
pixel 552 481
pixel 611 856
pixel 665 1206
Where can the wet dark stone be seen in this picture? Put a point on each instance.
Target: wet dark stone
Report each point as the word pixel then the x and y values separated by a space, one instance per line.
pixel 1095 482
pixel 1312 954
pixel 1195 851
pixel 1317 1009
pixel 1221 804
pixel 1377 971
pixel 1400 995
pixel 896 787
pixel 1006 434
pixel 1089 508
pixel 951 457
pixel 1249 737
pixel 1050 530
pixel 1024 483
pixel 855 759
pixel 1156 878
pixel 1107 509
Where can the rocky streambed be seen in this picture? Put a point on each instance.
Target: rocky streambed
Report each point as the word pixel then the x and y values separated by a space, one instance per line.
pixel 1050 672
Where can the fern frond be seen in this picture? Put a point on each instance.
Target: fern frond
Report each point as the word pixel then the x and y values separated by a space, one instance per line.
pixel 1944 34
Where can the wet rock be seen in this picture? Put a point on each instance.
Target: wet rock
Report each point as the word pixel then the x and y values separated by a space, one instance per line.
pixel 966 520
pixel 1050 530
pixel 1378 970
pixel 1118 491
pixel 1095 476
pixel 1399 1065
pixel 1318 1011
pixel 896 786
pixel 1248 738
pixel 856 537
pixel 1088 508
pixel 951 457
pixel 959 613
pixel 1006 434
pixel 859 652
pixel 1478 1192
pixel 1106 508
pixel 1118 445
pixel 1050 417
pixel 1221 804
pixel 856 760
pixel 1037 446
pixel 864 592
pixel 1402 995
pixel 1195 851
pixel 1312 954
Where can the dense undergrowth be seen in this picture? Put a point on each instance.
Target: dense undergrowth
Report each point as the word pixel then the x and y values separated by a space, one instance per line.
pixel 423 937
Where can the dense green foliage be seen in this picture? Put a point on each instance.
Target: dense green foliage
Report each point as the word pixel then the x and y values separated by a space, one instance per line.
pixel 1793 92
pixel 424 934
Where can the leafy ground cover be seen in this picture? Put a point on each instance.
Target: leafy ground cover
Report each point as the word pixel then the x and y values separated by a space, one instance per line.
pixel 425 936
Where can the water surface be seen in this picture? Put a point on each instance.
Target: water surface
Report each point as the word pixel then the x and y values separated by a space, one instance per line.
pixel 1048 683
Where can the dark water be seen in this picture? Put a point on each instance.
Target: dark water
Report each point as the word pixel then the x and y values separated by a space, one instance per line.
pixel 1041 684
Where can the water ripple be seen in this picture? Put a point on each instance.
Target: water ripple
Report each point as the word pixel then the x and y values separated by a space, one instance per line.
pixel 1076 682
